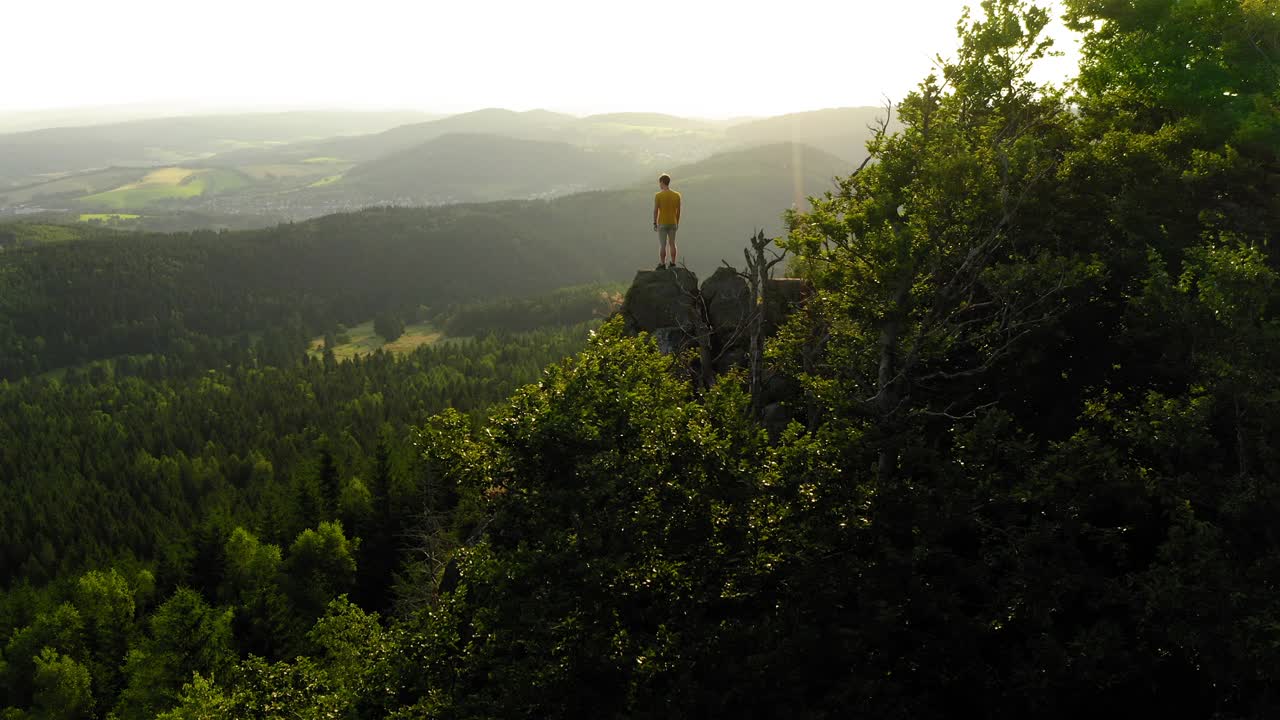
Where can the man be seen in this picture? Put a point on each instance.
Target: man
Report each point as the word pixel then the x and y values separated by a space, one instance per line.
pixel 666 218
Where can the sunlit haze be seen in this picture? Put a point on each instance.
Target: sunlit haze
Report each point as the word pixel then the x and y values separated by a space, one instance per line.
pixel 710 58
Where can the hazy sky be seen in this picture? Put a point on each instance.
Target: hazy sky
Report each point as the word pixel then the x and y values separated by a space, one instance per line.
pixel 713 58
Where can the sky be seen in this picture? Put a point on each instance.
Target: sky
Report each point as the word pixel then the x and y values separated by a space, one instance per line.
pixel 704 58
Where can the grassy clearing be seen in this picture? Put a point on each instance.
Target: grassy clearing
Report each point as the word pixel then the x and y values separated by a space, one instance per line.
pixel 329 180
pixel 139 197
pixel 322 160
pixel 162 184
pixel 170 183
pixel 221 181
pixel 163 176
pixel 363 340
pixel 107 217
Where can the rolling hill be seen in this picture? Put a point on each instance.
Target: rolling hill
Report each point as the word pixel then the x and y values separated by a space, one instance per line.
pixel 530 125
pixel 477 168
pixel 843 132
pixel 647 135
pixel 26 156
pixel 726 197
pixel 652 119
pixel 480 156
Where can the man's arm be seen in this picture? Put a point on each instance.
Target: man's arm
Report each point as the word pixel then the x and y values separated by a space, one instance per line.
pixel 655 211
pixel 679 204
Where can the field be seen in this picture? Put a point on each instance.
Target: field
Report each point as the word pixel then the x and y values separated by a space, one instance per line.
pixel 363 341
pixel 170 183
pixel 107 217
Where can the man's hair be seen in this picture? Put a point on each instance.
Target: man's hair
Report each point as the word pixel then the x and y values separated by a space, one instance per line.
pixel 665 179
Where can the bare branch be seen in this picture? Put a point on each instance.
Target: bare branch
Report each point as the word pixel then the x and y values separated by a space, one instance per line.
pixel 878 129
pixel 948 415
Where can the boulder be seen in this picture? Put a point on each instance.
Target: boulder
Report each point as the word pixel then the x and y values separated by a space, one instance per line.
pixel 661 299
pixel 728 300
pixel 726 297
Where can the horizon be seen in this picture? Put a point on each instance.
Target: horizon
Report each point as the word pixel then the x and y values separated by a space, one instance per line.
pixel 148 110
pixel 582 59
pixel 25 121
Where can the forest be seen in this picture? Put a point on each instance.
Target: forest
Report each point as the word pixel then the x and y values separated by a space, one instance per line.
pixel 1034 471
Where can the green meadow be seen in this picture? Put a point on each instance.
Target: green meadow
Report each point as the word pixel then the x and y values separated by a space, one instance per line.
pixel 170 183
pixel 107 217
pixel 362 340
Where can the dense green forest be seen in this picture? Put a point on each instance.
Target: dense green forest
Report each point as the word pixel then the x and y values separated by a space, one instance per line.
pixel 162 478
pixel 1036 472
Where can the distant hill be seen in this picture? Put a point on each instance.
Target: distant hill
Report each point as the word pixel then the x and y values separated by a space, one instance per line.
pixel 472 167
pixel 535 245
pixel 530 125
pixel 181 170
pixel 24 120
pixel 72 187
pixel 164 140
pixel 726 197
pixel 650 119
pixel 647 136
pixel 606 235
pixel 843 132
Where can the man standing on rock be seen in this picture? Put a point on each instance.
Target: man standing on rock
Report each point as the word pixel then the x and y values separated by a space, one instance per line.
pixel 666 218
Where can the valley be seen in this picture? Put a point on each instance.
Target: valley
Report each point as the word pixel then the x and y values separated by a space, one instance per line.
pixel 234 180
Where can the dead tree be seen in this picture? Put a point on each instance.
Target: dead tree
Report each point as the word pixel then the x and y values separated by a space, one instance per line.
pixel 759 269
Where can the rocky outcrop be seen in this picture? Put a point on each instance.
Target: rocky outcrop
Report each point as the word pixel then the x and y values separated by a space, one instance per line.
pixel 714 317
pixel 661 299
pixel 727 301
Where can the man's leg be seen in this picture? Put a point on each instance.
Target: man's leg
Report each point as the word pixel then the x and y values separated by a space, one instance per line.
pixel 662 246
pixel 671 238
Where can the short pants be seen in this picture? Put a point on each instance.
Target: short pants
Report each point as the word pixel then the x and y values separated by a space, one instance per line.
pixel 665 233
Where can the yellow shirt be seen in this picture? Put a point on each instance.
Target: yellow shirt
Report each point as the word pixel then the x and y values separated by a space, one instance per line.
pixel 668 204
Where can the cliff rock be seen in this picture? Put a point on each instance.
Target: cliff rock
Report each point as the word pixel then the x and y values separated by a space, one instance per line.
pixel 661 299
pixel 714 317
